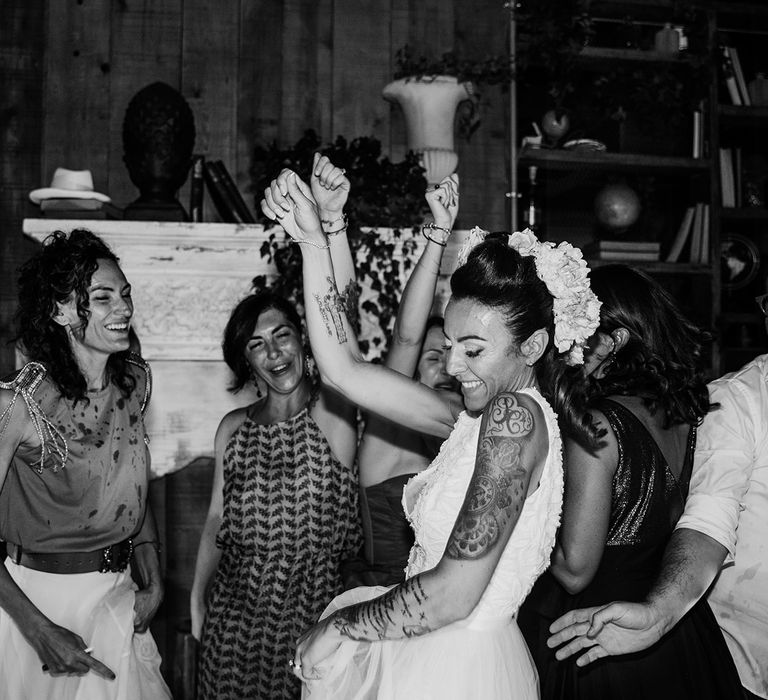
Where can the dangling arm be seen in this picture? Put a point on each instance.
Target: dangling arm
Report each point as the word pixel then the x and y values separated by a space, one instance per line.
pixel 512 445
pixel 334 345
pixel 60 650
pixel 586 512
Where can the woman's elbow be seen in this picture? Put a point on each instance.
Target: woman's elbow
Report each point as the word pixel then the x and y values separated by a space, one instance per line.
pixel 572 581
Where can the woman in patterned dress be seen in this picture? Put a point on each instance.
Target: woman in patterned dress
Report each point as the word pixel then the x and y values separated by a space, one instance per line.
pixel 284 506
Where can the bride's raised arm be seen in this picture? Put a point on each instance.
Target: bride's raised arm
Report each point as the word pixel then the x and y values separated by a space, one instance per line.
pixel 289 201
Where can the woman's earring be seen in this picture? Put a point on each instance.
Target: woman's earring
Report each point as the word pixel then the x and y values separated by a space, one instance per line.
pixel 608 361
pixel 309 364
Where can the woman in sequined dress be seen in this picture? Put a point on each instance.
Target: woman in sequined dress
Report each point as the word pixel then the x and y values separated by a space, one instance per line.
pixel 284 504
pixel 647 394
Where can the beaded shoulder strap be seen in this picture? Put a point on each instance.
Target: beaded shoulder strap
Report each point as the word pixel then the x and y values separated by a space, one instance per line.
pixel 138 361
pixel 53 446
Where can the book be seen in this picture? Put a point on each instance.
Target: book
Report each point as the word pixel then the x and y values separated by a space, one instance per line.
pixel 705 237
pixel 627 255
pixel 729 77
pixel 681 238
pixel 738 74
pixel 222 199
pixel 605 245
pixel 196 189
pixel 727 181
pixel 74 208
pixel 698 133
pixel 697 233
pixel 229 184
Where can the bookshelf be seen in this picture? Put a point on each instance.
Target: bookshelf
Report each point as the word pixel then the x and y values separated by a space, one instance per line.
pixel 739 136
pixel 669 182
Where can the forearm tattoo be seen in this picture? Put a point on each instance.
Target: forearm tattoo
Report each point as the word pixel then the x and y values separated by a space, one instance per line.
pixel 497 490
pixel 350 297
pixel 332 311
pixel 397 614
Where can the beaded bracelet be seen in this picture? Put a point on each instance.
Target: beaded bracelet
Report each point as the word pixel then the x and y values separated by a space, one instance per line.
pixel 312 243
pixel 343 227
pixel 434 227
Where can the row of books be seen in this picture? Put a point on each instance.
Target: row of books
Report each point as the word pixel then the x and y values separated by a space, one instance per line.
pixel 224 193
pixel 623 251
pixel 693 236
pixel 733 74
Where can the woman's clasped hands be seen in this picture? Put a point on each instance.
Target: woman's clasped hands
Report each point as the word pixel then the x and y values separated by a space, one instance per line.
pixel 302 209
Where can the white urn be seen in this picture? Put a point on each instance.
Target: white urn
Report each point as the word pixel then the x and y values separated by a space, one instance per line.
pixel 429 104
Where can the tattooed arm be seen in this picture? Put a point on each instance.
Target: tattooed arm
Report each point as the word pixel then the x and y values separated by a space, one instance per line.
pixel 330 188
pixel 511 451
pixel 333 340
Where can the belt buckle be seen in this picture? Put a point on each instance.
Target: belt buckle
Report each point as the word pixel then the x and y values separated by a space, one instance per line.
pixel 116 557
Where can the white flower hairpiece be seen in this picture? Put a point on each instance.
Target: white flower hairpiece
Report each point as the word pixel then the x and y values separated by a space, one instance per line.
pixel 564 271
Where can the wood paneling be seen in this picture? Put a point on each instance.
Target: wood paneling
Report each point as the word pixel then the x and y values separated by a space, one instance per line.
pixel 253 71
pixel 146 47
pixel 21 97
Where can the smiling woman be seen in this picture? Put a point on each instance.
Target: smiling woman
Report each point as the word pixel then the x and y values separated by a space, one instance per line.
pixel 283 511
pixel 485 512
pixel 74 464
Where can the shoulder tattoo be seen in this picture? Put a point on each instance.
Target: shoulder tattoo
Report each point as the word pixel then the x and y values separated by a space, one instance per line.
pixel 497 489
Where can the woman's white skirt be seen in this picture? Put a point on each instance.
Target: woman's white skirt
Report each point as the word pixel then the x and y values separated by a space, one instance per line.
pixel 99 608
pixel 460 662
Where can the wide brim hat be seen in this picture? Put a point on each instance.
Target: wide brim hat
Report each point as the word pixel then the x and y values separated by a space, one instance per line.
pixel 69 184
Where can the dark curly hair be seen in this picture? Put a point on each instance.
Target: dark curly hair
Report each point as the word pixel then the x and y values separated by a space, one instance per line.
pixel 498 276
pixel 61 269
pixel 662 360
pixel 240 327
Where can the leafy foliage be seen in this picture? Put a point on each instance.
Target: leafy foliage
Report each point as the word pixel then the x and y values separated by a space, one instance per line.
pixel 383 194
pixel 491 70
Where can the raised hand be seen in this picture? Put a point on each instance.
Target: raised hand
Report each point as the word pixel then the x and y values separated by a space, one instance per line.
pixel 443 201
pixel 618 628
pixel 289 201
pixel 330 188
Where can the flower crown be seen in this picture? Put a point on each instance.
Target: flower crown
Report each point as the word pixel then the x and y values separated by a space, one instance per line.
pixel 564 271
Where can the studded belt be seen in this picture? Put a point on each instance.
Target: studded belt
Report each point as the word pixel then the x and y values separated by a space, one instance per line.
pixel 114 558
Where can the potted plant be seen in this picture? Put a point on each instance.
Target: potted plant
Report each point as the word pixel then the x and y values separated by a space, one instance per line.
pixel 386 206
pixel 429 93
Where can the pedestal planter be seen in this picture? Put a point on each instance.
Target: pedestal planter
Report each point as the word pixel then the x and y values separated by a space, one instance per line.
pixel 429 104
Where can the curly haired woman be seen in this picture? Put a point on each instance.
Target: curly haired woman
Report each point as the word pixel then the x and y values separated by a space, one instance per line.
pixel 74 466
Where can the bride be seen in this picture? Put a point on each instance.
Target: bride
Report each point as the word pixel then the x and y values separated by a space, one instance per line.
pixel 486 510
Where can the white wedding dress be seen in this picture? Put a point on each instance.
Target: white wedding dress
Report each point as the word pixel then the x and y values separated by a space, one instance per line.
pixel 484 656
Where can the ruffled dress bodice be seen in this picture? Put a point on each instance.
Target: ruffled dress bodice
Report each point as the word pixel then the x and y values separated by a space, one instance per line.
pixel 432 500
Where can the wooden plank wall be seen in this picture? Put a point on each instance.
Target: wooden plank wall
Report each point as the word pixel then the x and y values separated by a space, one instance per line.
pixel 253 71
